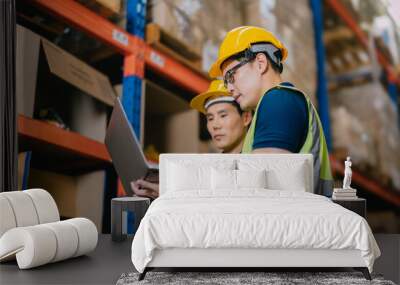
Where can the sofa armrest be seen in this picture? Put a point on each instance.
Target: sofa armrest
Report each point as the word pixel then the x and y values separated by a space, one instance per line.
pixel 41 244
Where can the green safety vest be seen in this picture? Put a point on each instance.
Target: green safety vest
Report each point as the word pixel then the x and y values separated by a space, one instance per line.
pixel 315 144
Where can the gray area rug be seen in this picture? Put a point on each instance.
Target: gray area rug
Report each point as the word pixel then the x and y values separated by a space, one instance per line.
pixel 228 278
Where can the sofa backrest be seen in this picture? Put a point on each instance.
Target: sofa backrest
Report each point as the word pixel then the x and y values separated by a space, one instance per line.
pixel 284 171
pixel 26 208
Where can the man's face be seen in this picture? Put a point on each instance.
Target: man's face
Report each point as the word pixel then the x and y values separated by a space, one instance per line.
pixel 246 83
pixel 225 125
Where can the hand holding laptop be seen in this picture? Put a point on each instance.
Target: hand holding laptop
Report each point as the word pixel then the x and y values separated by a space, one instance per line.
pixel 127 156
pixel 145 188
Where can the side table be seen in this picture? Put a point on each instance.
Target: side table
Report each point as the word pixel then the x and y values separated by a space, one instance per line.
pixel 358 205
pixel 138 205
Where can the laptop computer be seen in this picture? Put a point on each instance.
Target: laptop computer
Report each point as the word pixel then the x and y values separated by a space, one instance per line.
pixel 125 150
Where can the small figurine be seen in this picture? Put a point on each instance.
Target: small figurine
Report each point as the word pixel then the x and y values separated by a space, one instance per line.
pixel 347 174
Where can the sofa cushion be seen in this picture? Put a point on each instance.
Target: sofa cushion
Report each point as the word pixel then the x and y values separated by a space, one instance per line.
pixel 7 220
pixel 40 244
pixel 26 208
pixel 67 239
pixel 31 232
pixel 45 206
pixel 23 208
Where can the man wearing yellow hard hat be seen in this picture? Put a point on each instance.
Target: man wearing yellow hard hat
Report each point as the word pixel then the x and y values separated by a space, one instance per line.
pixel 226 123
pixel 250 60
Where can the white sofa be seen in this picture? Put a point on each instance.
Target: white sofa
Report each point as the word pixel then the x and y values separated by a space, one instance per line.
pixel 255 210
pixel 31 230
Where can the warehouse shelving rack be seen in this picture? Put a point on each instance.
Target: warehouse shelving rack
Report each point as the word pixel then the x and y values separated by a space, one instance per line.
pixel 138 54
pixel 135 51
pixel 42 135
pixel 344 14
pixel 388 195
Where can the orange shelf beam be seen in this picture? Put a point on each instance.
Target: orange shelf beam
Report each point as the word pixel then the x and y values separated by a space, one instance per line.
pixel 81 17
pixel 88 21
pixel 175 71
pixel 69 141
pixel 342 12
pixel 368 184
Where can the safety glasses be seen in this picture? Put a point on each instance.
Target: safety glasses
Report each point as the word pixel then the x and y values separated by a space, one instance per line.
pixel 230 74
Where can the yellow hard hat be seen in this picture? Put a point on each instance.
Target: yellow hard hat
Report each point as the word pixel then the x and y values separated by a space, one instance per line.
pixel 215 90
pixel 241 39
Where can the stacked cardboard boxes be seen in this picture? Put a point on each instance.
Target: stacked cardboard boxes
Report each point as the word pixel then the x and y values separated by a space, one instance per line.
pixel 169 124
pixel 365 127
pixel 200 24
pixel 203 24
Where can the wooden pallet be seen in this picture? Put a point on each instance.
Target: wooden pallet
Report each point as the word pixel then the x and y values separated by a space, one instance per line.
pixel 343 52
pixel 351 78
pixel 105 8
pixel 168 44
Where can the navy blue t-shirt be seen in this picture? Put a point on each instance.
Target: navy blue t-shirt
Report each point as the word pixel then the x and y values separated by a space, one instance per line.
pixel 282 120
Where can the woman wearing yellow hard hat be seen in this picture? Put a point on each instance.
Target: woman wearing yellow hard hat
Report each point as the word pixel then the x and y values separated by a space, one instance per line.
pixel 250 60
pixel 226 123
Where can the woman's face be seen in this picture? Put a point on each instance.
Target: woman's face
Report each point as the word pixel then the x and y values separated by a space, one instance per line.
pixel 226 126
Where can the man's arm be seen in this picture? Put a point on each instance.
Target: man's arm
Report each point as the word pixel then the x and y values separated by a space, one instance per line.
pixel 282 123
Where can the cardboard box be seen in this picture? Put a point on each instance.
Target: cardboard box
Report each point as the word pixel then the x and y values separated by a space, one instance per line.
pixel 88 116
pixel 27 58
pixel 75 196
pixel 78 73
pixel 168 121
pixel 60 64
pixel 50 78
pixel 200 24
pixel 375 118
